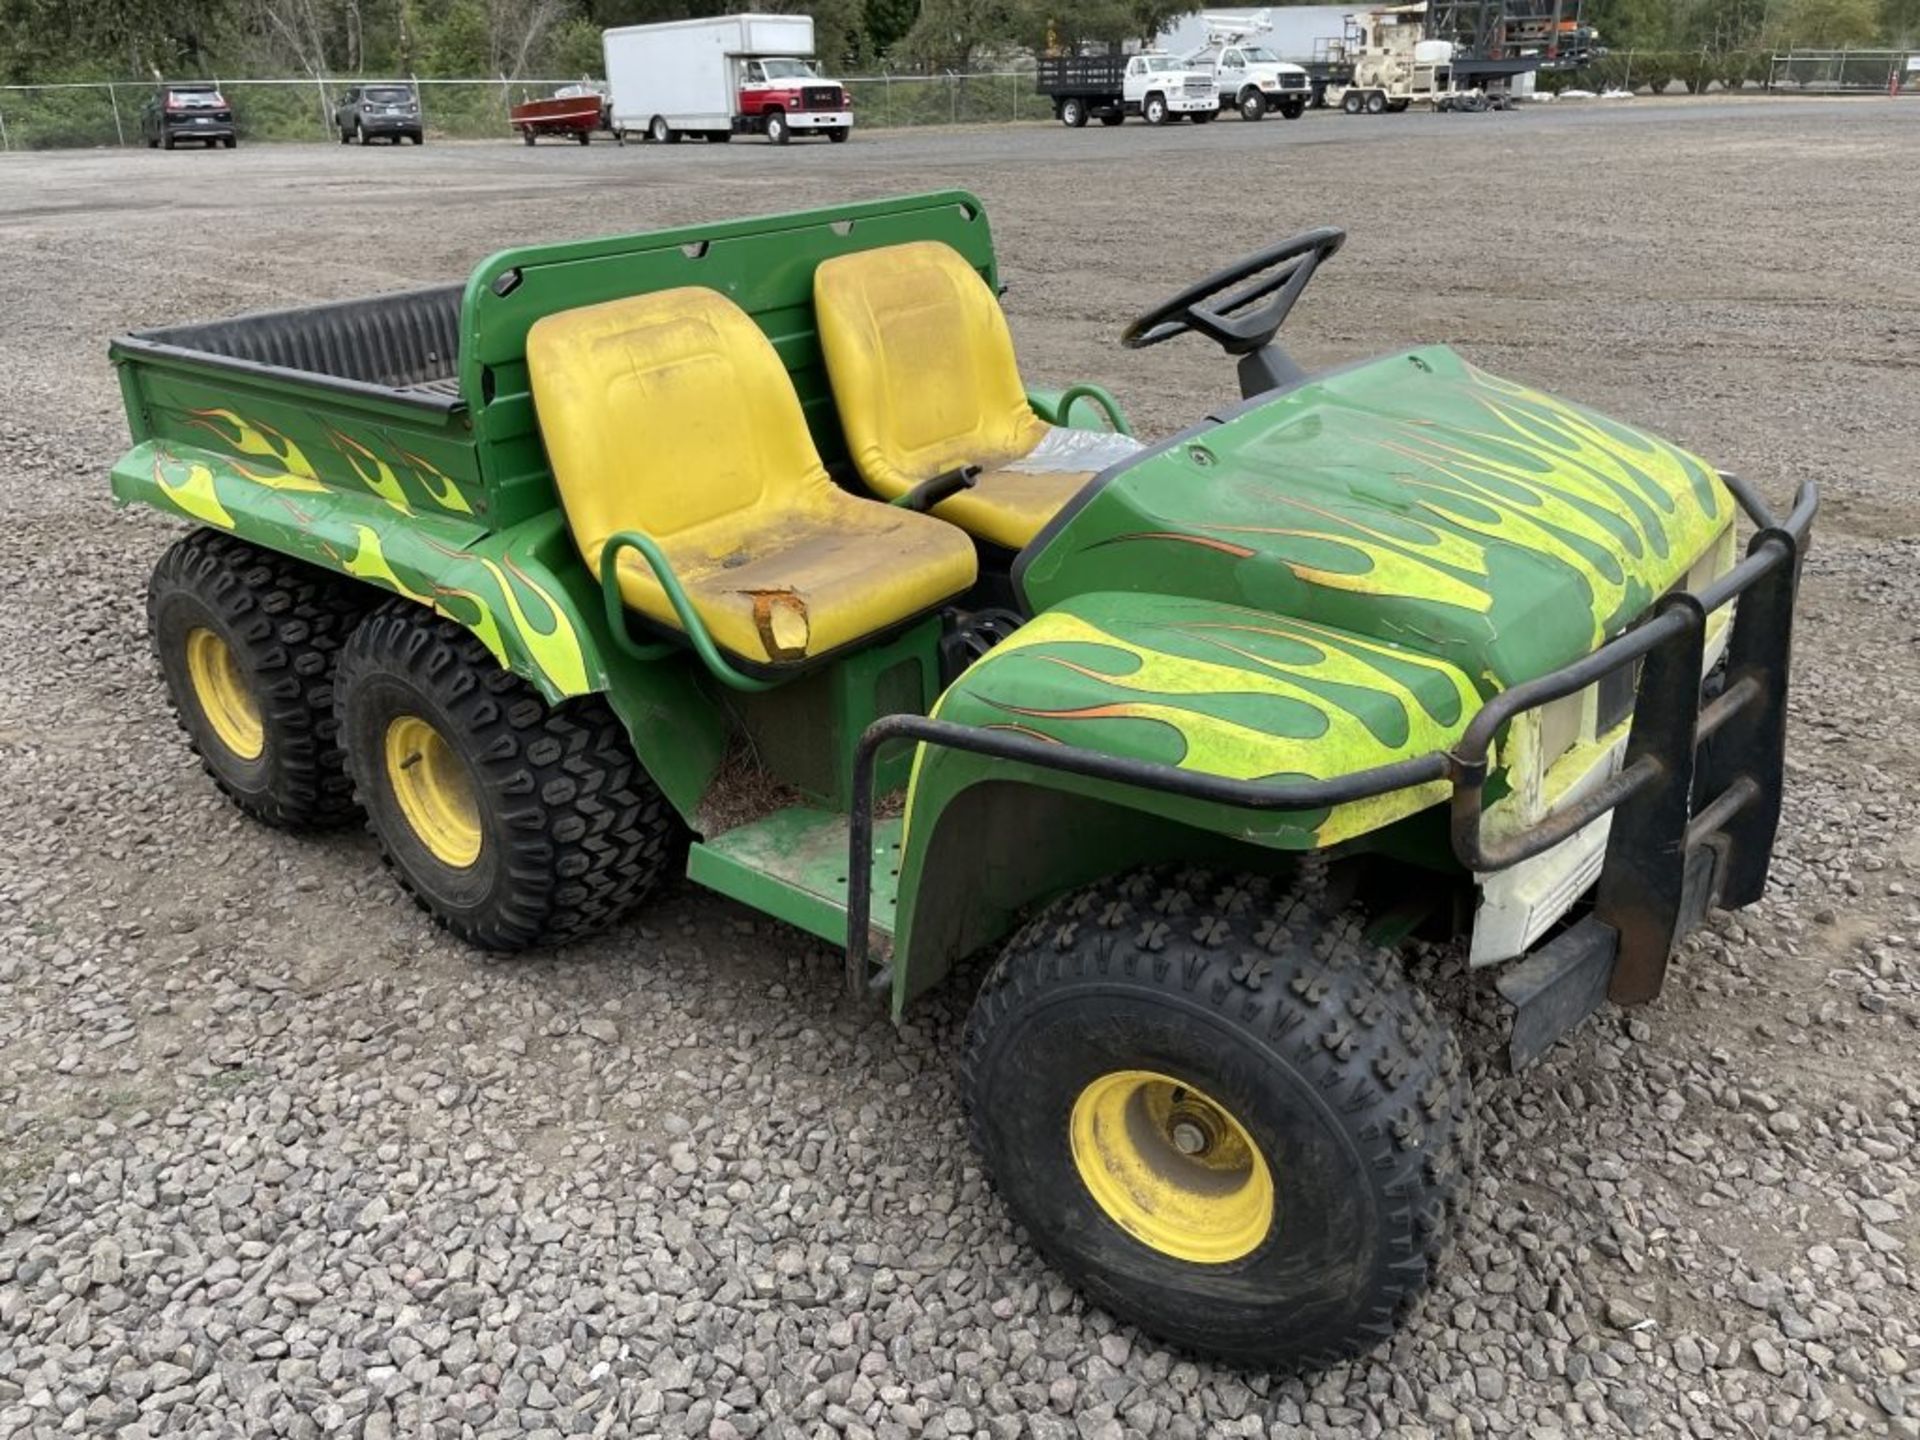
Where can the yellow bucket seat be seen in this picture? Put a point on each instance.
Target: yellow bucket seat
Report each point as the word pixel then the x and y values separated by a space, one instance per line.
pixel 925 380
pixel 670 414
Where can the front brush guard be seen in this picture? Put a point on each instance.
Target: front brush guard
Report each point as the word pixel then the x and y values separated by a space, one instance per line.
pixel 1668 860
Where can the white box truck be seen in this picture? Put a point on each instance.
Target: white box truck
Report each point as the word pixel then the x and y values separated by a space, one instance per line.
pixel 734 75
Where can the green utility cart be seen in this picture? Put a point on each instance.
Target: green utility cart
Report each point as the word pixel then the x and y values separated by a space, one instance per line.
pixel 744 551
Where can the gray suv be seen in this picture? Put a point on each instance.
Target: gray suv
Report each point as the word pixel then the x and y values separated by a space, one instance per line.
pixel 388 110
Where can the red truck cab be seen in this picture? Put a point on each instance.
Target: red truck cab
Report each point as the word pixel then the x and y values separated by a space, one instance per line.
pixel 780 96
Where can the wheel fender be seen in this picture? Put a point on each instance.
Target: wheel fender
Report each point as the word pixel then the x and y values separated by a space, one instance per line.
pixel 522 591
pixel 1208 688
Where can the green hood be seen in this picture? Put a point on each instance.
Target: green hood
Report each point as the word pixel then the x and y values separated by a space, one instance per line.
pixel 1415 500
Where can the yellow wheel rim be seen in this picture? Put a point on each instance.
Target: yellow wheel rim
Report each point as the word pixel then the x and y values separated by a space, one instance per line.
pixel 1172 1167
pixel 435 791
pixel 220 690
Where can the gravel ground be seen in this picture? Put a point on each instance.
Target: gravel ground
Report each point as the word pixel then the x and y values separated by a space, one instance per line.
pixel 278 1158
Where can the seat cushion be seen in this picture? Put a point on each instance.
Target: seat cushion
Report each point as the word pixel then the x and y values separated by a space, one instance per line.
pixel 925 381
pixel 671 415
pixel 1009 505
pixel 805 583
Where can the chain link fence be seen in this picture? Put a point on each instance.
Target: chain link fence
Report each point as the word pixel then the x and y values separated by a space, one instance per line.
pixel 92 115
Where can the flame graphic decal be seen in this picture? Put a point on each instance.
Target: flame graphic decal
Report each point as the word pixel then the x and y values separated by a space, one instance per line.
pixel 188 486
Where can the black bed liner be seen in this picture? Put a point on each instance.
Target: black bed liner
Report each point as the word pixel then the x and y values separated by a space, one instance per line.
pixel 404 346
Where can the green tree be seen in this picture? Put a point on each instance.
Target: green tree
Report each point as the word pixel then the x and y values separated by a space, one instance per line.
pixel 1825 24
pixel 887 22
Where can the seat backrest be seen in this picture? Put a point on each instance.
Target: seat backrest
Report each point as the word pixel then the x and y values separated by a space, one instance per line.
pixel 670 414
pixel 922 364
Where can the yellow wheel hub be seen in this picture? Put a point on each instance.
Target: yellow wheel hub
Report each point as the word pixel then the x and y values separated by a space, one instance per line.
pixel 1171 1167
pixel 220 690
pixel 435 791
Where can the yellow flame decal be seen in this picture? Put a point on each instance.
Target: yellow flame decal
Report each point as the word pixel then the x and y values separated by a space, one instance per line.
pixel 485 627
pixel 278 479
pixel 446 494
pixel 1216 745
pixel 369 562
pixel 374 472
pixel 194 493
pixel 556 650
pixel 252 437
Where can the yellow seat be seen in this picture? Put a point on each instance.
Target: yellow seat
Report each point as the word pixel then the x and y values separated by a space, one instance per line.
pixel 925 380
pixel 671 414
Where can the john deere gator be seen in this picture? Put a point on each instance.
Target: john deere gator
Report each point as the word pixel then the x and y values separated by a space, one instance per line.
pixel 744 551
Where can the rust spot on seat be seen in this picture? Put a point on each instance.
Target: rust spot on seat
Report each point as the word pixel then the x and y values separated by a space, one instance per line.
pixel 781 618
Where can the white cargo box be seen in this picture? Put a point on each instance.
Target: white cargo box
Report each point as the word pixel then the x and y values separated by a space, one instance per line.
pixel 683 70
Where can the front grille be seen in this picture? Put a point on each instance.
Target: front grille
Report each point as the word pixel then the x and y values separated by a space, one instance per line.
pixel 1293 82
pixel 820 97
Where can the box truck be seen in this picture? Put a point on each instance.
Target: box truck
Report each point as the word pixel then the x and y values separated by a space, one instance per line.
pixel 734 75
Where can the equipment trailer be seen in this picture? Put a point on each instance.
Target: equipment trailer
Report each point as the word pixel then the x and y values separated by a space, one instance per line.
pixel 550 576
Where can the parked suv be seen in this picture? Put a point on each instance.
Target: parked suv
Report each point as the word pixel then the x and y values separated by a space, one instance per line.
pixel 390 110
pixel 187 111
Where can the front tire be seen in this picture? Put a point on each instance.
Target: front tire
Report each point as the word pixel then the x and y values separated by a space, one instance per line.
pixel 512 822
pixel 839 136
pixel 247 640
pixel 1154 111
pixel 1220 1112
pixel 778 130
pixel 1253 105
pixel 1292 109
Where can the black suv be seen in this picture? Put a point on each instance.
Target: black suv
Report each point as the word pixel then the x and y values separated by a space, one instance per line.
pixel 191 110
pixel 366 111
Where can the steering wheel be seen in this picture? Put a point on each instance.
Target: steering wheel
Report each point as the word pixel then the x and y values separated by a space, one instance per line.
pixel 1228 321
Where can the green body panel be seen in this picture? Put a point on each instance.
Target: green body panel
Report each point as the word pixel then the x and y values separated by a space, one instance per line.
pixel 411 459
pixel 1217 689
pixel 522 591
pixel 1414 499
pixel 793 865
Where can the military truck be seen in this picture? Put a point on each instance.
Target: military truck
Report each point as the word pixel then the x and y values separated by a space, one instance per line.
pixel 745 551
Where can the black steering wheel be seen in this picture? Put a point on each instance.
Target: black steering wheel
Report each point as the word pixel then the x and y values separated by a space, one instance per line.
pixel 1228 321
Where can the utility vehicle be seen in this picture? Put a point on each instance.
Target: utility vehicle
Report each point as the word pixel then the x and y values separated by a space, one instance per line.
pixel 387 110
pixel 1250 78
pixel 731 75
pixel 1157 88
pixel 743 550
pixel 187 110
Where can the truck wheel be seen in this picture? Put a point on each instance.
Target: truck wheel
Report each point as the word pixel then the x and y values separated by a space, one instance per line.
pixel 584 137
pixel 1221 1113
pixel 1253 105
pixel 512 822
pixel 346 136
pixel 662 132
pixel 1113 117
pixel 1376 103
pixel 1292 109
pixel 1397 107
pixel 1352 102
pixel 778 130
pixel 1154 110
pixel 247 641
pixel 839 135
pixel 1073 114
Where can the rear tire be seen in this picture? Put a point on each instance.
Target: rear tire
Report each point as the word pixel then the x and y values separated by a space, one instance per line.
pixel 1376 104
pixel 526 137
pixel 662 132
pixel 1352 102
pixel 512 822
pixel 1221 1112
pixel 247 640
pixel 1114 117
pixel 1073 114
